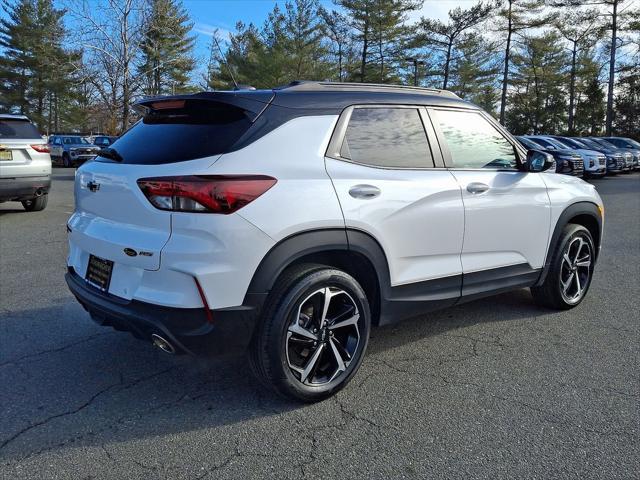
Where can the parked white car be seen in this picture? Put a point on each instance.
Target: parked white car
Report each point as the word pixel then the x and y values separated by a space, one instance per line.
pixel 290 221
pixel 25 164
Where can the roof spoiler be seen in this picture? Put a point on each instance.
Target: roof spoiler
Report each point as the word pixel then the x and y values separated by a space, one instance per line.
pixel 252 102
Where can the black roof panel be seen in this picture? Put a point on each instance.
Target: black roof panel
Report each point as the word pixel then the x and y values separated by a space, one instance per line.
pixel 336 96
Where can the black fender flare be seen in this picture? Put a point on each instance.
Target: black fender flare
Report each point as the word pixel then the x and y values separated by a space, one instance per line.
pixel 299 245
pixel 580 208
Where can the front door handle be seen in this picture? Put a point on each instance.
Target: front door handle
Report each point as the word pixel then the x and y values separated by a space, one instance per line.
pixel 364 191
pixel 477 187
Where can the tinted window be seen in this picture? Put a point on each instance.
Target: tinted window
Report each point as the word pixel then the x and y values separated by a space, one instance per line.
pixel 528 144
pixel 18 129
pixel 197 130
pixel 545 143
pixel 568 143
pixel 75 141
pixel 387 137
pixel 474 142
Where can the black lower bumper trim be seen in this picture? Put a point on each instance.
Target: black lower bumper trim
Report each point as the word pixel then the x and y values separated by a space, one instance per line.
pixel 188 329
pixel 23 188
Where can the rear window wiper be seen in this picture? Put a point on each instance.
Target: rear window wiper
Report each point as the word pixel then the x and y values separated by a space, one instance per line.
pixel 110 153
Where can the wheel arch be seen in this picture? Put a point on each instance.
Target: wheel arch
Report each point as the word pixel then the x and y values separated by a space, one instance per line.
pixel 586 214
pixel 353 251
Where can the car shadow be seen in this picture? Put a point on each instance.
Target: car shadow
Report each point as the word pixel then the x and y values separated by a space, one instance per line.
pixel 103 387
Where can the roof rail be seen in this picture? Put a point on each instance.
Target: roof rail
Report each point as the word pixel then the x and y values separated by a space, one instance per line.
pixel 308 85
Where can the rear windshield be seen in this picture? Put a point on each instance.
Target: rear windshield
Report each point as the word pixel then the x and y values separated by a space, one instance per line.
pixel 196 130
pixel 18 129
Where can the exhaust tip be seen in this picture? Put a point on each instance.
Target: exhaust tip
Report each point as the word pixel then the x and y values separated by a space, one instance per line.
pixel 162 343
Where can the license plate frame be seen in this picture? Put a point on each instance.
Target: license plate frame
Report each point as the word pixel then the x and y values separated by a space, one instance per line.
pixel 6 155
pixel 99 271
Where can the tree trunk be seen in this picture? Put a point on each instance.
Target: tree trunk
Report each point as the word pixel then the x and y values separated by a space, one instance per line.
pixel 612 67
pixel 447 63
pixel 572 88
pixel 365 45
pixel 505 74
pixel 126 94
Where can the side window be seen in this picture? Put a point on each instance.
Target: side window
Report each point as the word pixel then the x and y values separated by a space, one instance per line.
pixel 387 137
pixel 67 141
pixel 57 141
pixel 473 142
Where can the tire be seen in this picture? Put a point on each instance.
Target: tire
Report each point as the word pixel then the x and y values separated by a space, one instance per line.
pixel 36 204
pixel 288 356
pixel 66 162
pixel 570 272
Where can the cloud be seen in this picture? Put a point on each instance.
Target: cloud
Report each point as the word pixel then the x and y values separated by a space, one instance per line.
pixel 209 30
pixel 438 9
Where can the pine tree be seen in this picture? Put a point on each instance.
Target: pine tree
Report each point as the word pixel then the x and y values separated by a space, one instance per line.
pixel 474 70
pixel 538 101
pixel 167 48
pixel 380 32
pixel 445 36
pixel 34 68
pixel 515 18
pixel 337 29
pixel 581 29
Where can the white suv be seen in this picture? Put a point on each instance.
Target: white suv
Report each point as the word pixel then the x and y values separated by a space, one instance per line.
pixel 25 164
pixel 291 221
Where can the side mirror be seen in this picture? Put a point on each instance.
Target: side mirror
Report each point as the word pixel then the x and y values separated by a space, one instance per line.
pixel 538 161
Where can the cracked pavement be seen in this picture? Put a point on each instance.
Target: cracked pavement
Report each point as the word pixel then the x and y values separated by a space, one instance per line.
pixel 496 388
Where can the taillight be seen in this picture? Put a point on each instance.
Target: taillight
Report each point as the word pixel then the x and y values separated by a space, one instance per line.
pixel 41 148
pixel 205 193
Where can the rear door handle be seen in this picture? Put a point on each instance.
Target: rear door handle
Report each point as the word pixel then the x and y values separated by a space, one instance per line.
pixel 364 191
pixel 477 187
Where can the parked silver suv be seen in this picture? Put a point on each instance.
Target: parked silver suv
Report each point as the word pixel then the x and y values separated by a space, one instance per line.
pixel 25 164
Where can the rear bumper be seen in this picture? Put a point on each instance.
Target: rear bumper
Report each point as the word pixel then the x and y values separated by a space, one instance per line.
pixel 23 188
pixel 187 328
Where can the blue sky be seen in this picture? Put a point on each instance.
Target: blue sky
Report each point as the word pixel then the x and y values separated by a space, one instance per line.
pixel 208 15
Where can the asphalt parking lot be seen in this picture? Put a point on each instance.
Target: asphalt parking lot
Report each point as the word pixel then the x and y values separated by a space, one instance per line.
pixel 496 388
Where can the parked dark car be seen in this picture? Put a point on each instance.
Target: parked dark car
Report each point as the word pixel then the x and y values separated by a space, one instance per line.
pixel 635 154
pixel 623 142
pixel 615 160
pixel 104 141
pixel 566 163
pixel 595 163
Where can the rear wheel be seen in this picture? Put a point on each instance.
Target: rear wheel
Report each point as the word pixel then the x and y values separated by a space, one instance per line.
pixel 313 334
pixel 36 204
pixel 570 272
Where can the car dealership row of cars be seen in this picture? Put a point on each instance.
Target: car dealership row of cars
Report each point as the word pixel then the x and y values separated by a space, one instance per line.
pixel 587 156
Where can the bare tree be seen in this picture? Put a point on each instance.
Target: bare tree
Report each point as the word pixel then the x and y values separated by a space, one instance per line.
pixel 110 34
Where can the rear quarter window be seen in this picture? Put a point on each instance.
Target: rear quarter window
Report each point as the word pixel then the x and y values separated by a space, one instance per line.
pixel 197 130
pixel 18 129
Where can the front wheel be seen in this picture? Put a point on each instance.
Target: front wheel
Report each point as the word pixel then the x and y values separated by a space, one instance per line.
pixel 66 161
pixel 570 272
pixel 313 334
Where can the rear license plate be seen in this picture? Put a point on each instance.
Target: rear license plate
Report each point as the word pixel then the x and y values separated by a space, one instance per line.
pixel 6 155
pixel 99 272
